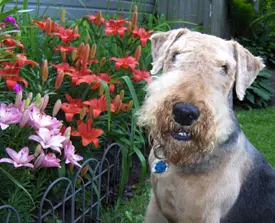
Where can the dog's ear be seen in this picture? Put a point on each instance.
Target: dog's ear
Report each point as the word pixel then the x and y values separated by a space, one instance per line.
pixel 247 69
pixel 161 43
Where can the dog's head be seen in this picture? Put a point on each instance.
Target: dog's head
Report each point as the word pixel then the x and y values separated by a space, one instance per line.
pixel 188 107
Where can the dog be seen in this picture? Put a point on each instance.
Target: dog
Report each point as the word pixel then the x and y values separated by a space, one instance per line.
pixel 204 169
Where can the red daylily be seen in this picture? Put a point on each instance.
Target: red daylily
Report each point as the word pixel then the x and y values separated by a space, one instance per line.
pixel 66 35
pixel 139 75
pixel 125 62
pixel 12 43
pixel 95 20
pixel 87 133
pixel 42 25
pixel 11 81
pixel 73 107
pixel 142 34
pixel 62 70
pixel 22 60
pixel 115 27
pixel 117 105
pixel 99 105
pixel 66 49
pixel 82 74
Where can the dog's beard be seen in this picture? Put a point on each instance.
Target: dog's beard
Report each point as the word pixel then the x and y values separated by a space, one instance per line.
pixel 183 145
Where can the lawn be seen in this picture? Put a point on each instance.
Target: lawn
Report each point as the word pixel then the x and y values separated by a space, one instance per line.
pixel 259 127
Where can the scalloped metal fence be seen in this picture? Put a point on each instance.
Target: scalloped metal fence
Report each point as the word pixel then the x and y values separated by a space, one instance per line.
pixel 80 199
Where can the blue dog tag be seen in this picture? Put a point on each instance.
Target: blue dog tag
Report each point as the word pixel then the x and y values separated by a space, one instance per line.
pixel 159 166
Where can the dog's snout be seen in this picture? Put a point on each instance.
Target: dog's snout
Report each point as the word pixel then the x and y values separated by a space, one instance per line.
pixel 185 114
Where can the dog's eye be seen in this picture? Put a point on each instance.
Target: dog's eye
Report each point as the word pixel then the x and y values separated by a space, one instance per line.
pixel 174 56
pixel 225 69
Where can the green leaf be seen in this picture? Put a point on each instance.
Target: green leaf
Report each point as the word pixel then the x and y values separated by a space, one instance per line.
pixel 132 91
pixel 18 184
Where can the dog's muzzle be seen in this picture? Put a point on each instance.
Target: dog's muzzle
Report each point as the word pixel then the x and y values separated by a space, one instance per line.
pixel 184 115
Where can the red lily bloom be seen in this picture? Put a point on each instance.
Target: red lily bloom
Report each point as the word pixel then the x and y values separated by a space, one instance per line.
pixel 11 81
pixel 139 75
pixel 22 60
pixel 80 76
pixel 87 133
pixel 95 20
pixel 73 107
pixel 66 49
pixel 62 70
pixel 115 27
pixel 125 62
pixel 42 25
pixel 142 34
pixel 99 105
pixel 66 35
pixel 12 43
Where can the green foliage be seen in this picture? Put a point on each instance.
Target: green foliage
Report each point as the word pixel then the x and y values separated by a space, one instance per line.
pixel 241 14
pixel 259 93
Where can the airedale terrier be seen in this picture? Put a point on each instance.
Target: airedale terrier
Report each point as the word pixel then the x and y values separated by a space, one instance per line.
pixel 204 169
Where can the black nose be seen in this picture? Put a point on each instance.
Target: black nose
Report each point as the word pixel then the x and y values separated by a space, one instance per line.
pixel 185 114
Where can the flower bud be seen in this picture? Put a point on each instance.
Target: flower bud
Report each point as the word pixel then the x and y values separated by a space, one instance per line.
pixel 44 71
pixel 71 167
pixel 102 62
pixel 27 103
pixel 138 53
pixel 121 94
pixel 101 90
pixel 82 113
pixel 59 81
pixel 86 54
pixel 93 51
pixel 74 55
pixel 45 103
pixel 24 119
pixel 18 99
pixel 63 56
pixel 130 105
pixel 75 30
pixel 30 95
pixel 134 20
pixel 67 132
pixel 56 107
pixel 98 18
pixel 63 16
pixel 37 150
pixel 86 39
pixel 84 171
pixel 48 27
pixel 37 101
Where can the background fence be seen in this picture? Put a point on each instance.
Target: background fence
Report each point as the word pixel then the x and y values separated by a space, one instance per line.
pixel 78 199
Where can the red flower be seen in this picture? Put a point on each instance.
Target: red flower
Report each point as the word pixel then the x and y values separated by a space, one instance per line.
pixel 73 107
pixel 66 35
pixel 99 105
pixel 66 49
pixel 139 75
pixel 80 76
pixel 42 25
pixel 62 70
pixel 11 81
pixel 125 62
pixel 115 27
pixel 95 20
pixel 22 60
pixel 142 34
pixel 87 133
pixel 11 43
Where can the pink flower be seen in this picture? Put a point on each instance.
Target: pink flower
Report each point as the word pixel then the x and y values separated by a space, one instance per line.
pixel 9 115
pixel 19 159
pixel 38 120
pixel 48 160
pixel 70 156
pixel 47 139
pixel 139 75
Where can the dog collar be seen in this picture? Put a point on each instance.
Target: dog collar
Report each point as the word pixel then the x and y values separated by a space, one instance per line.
pixel 159 166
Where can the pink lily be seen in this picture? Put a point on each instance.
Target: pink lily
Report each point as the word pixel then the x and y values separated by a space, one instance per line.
pixel 48 160
pixel 9 115
pixel 39 120
pixel 19 159
pixel 48 140
pixel 70 156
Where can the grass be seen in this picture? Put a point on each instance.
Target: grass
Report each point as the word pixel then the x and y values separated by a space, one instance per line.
pixel 259 127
